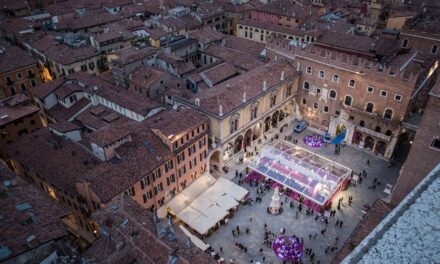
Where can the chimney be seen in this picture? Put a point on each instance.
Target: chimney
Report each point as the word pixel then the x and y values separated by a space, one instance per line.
pixel 264 85
pixel 282 76
pixel 197 101
pixel 220 110
pixel 298 66
pixel 244 97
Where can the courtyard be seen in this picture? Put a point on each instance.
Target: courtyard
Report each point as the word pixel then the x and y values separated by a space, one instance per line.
pixel 255 216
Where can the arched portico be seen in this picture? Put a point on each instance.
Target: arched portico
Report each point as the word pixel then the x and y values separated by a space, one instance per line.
pixel 256 131
pixel 248 138
pixel 238 144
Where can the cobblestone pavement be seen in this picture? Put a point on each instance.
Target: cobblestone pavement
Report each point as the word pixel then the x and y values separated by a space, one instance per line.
pixel 304 224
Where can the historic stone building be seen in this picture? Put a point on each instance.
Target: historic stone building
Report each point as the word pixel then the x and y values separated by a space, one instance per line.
pixel 246 110
pixel 368 89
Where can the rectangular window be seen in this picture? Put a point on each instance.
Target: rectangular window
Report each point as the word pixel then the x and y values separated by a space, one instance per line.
pixel 145 197
pixel 168 165
pixel 383 93
pixel 182 171
pixel 370 89
pixel 181 157
pixel 397 97
pixel 156 174
pixel 434 49
pixel 436 143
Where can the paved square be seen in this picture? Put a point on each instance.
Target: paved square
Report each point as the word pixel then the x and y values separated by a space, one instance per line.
pixel 304 224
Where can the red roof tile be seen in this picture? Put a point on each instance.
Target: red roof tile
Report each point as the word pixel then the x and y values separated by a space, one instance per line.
pixel 43 218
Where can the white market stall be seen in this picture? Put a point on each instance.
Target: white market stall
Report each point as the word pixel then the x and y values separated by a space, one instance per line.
pixel 206 202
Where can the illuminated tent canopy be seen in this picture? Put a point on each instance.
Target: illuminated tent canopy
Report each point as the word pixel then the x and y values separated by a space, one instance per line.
pixel 308 174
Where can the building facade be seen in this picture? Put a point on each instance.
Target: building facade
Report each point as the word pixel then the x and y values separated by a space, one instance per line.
pixel 239 123
pixel 340 90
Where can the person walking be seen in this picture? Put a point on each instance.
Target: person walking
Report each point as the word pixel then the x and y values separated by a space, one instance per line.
pixel 340 223
pixel 337 222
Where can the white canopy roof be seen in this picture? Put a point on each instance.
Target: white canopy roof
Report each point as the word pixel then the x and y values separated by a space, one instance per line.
pixel 206 202
pixel 195 240
pixel 227 202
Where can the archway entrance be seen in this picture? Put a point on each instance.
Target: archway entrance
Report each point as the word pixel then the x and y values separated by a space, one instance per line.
pixel 267 124
pixel 357 137
pixel 275 117
pixel 381 147
pixel 214 160
pixel 238 144
pixel 257 131
pixel 324 124
pixel 248 138
pixel 369 143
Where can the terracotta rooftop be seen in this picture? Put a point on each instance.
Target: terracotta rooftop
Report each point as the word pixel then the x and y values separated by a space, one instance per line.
pixel 138 237
pixel 229 94
pixel 10 111
pixel 116 94
pixel 286 8
pixel 139 157
pixel 111 133
pixel 27 211
pixel 13 58
pixel 156 33
pixel 184 22
pixel 15 25
pixel 241 59
pixel 245 45
pixel 345 41
pixel 371 219
pixel 272 27
pixel 65 161
pixel 219 73
pixel 62 113
pixel 69 6
pixel 207 35
pixel 88 20
pixel 146 76
pixel 206 10
pixel 238 8
pixel 64 126
pixel 130 55
pixel 172 123
pixel 95 117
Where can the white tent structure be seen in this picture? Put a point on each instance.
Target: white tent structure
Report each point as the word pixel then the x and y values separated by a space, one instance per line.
pixel 207 201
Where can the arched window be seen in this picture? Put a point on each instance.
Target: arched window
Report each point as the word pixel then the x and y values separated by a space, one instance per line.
pixel 321 74
pixel 309 70
pixel 233 123
pixel 326 109
pixel 315 105
pixel 335 78
pixel 362 123
pixel 405 43
pixel 369 108
pixel 254 111
pixel 388 114
pixel 306 85
pixel 377 129
pixel 304 101
pixel 348 100
pixel 332 94
pixel 352 83
pixel 273 99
